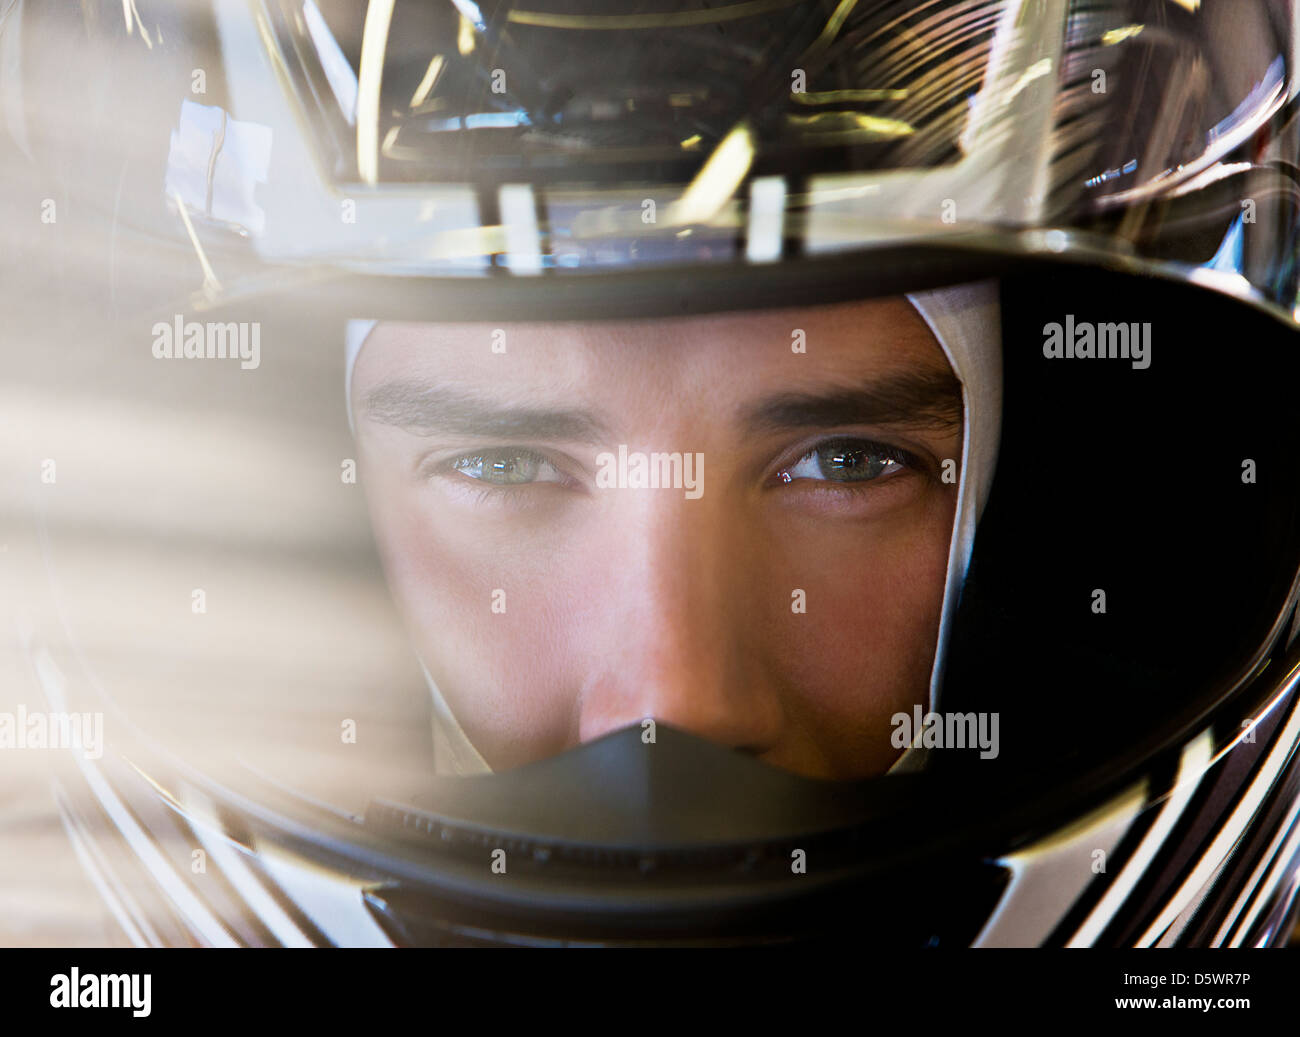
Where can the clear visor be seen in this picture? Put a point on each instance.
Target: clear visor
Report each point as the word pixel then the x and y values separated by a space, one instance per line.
pixel 741 524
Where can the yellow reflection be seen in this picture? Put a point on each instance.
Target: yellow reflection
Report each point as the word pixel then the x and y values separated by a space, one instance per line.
pixel 425 88
pixel 717 179
pixel 864 127
pixel 848 96
pixel 468 242
pixel 1037 70
pixel 831 29
pixel 1109 39
pixel 465 36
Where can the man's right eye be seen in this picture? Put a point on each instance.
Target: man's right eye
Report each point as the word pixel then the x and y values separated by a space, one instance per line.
pixel 506 466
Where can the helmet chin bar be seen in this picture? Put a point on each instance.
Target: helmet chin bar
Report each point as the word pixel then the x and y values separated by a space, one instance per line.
pixel 625 840
pixel 623 790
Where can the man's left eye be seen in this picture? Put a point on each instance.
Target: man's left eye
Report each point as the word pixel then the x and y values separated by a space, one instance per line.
pixel 845 461
pixel 507 467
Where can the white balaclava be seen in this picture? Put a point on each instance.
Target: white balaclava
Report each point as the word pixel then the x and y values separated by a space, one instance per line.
pixel 965 320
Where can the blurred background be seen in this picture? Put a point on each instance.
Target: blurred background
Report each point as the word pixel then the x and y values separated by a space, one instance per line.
pixel 126 485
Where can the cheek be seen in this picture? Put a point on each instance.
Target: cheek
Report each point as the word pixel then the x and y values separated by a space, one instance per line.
pixel 865 647
pixel 484 607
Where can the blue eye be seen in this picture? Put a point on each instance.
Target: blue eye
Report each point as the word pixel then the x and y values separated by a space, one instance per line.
pixel 846 461
pixel 506 466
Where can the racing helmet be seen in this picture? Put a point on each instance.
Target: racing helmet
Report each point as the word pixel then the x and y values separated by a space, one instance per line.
pixel 1022 671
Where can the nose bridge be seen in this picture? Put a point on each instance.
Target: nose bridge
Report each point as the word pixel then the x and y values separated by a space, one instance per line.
pixel 679 642
pixel 686 586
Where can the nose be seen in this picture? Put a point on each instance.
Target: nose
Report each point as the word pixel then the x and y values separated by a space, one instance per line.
pixel 677 641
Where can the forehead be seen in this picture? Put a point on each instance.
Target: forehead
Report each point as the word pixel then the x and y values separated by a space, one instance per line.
pixel 813 345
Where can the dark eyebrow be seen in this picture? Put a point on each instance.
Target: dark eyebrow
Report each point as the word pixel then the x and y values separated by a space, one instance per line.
pixel 929 400
pixel 429 410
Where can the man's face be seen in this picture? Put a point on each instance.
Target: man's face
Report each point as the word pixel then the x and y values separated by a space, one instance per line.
pixel 787 605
